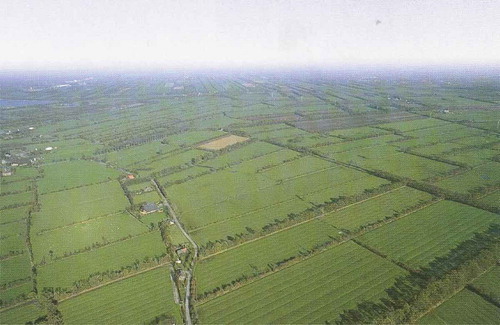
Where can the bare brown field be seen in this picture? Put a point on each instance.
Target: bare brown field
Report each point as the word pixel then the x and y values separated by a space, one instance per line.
pixel 222 143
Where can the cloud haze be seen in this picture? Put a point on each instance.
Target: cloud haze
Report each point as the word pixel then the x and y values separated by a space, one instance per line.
pixel 121 33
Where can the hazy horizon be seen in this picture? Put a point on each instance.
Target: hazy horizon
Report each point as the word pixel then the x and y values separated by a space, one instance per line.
pixel 239 34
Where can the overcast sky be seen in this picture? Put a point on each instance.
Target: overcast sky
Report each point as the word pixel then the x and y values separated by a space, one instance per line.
pixel 151 33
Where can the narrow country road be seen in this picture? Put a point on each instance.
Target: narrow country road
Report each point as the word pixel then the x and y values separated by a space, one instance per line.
pixel 171 212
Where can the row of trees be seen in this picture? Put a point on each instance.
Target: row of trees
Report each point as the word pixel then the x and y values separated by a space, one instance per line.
pixel 413 295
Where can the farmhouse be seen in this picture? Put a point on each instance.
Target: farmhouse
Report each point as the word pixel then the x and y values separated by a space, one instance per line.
pixel 181 251
pixel 6 172
pixel 149 207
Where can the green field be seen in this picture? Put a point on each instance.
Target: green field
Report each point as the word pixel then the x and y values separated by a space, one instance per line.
pixel 22 314
pixel 434 231
pixel 11 187
pixel 136 154
pixel 388 159
pixel 15 268
pixel 178 160
pixel 12 215
pixel 254 257
pixel 66 149
pixel 136 300
pixel 473 157
pixel 413 125
pixel 243 194
pixel 23 289
pixel 376 209
pixel 182 175
pixel 60 176
pixel 16 199
pixel 357 144
pixel 254 220
pixel 489 284
pixel 21 173
pixel 79 204
pixel 13 238
pixel 55 274
pixel 465 307
pixel 56 243
pixel 359 133
pixel 316 290
pixel 468 182
pixel 492 199
pixel 154 217
pixel 146 197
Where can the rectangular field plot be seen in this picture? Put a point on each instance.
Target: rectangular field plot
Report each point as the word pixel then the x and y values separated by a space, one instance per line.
pixel 182 175
pixel 406 126
pixel 376 209
pixel 16 199
pixel 17 291
pixel 309 141
pixel 346 122
pixel 492 199
pixel 282 133
pixel 438 149
pixel 84 235
pixel 342 188
pixel 388 159
pixel 177 160
pixel 146 197
pixel 136 154
pixel 136 300
pixel 79 204
pixel 295 168
pixel 357 144
pixel 264 162
pixel 12 187
pixel 253 257
pixel 223 142
pixel 15 214
pixel 359 133
pixel 473 157
pixel 489 283
pixel 62 273
pixel 442 134
pixel 243 194
pixel 15 268
pixel 429 233
pixel 315 290
pixel 22 314
pixel 21 173
pixel 65 175
pixel 13 243
pixel 465 307
pixel 468 182
pixel 254 220
pixel 154 218
pixel 12 229
pixel 256 130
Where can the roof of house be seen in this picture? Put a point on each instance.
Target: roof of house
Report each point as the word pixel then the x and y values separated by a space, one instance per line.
pixel 149 207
